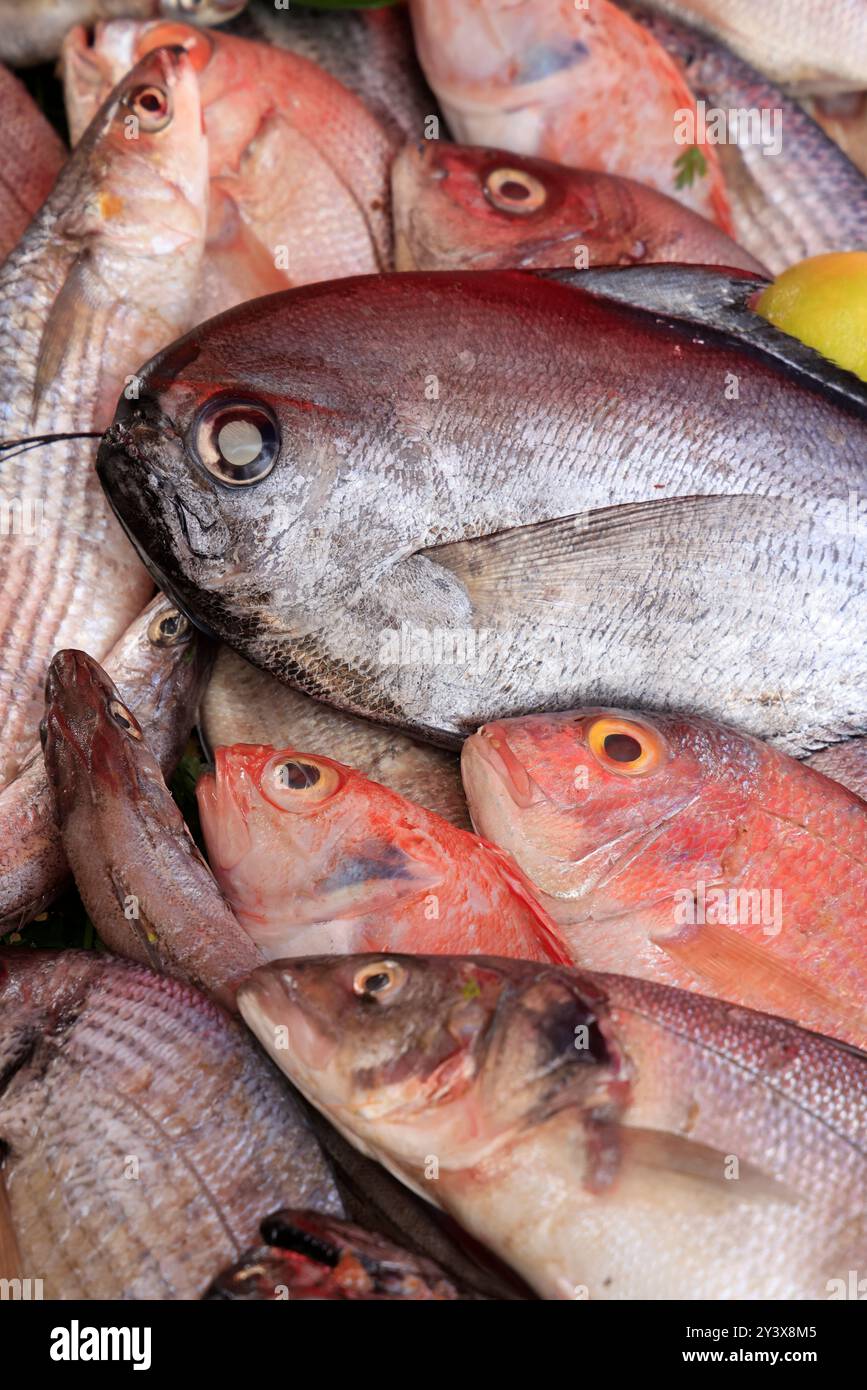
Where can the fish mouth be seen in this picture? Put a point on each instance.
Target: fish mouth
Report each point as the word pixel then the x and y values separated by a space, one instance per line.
pixel 490 744
pixel 269 1003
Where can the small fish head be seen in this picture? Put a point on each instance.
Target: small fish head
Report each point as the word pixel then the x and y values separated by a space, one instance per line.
pixel 89 736
pixel 561 790
pixel 298 841
pixel 466 207
pixel 149 174
pixel 428 1061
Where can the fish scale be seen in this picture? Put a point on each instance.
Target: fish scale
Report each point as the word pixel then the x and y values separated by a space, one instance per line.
pixel 108 1094
pixel 619 857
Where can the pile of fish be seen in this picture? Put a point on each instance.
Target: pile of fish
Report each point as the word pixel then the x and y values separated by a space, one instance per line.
pixel 510 626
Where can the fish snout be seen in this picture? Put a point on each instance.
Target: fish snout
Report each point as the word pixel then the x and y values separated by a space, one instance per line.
pixel 491 746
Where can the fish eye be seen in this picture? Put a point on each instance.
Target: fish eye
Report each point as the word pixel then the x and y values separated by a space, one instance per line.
pixel 515 190
pixel 151 105
pixel 625 747
pixel 236 441
pixel 297 784
pixel 168 629
pixel 125 718
pixel 379 980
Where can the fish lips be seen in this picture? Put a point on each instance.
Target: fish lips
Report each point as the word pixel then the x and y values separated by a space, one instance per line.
pixel 171 518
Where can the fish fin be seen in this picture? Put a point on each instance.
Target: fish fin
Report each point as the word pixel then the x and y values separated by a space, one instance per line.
pixel 717 299
pixel 737 967
pixel 524 568
pixel 68 321
pixel 727 1175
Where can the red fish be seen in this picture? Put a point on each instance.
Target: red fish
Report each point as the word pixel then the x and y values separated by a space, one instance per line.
pixel 464 207
pixel 681 851
pixel 298 166
pixel 313 857
pixel 586 86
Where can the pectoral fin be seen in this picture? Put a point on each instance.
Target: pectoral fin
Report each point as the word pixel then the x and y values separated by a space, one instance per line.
pixel 652 1153
pixel 530 568
pixel 728 963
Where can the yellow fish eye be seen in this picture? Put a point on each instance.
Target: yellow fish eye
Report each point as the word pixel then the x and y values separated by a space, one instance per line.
pixel 625 747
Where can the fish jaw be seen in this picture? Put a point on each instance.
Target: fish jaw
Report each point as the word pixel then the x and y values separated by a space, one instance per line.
pixel 399 1076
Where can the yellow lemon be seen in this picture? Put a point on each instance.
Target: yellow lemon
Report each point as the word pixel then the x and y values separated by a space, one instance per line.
pixel 823 301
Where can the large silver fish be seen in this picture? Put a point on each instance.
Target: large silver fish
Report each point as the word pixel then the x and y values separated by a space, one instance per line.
pixel 104 275
pixel 434 499
pixel 607 1137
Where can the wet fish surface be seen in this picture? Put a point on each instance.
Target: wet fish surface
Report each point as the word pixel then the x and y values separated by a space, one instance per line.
pixel 245 705
pixel 32 157
pixel 144 1132
pixel 146 887
pixel 32 31
pixel 160 666
pixel 314 857
pixel 469 208
pixel 311 1256
pixel 105 274
pixel 298 166
pixel 685 852
pixel 328 482
pixel 792 190
pixel 607 1137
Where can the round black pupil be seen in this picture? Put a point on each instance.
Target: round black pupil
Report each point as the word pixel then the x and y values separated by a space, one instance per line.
pixel 120 719
pixel 170 626
pixel 297 776
pixel 622 748
pixel 374 983
pixel 516 191
pixel 151 101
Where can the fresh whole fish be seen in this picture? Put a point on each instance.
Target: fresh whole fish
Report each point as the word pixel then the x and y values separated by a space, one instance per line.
pixel 463 208
pixel 327 480
pixel 608 1137
pixel 370 51
pixel 310 1255
pixel 792 190
pixel 160 666
pixel 104 275
pixel 32 31
pixel 32 156
pixel 147 889
pixel 144 1133
pixel 687 853
pixel 313 857
pixel 798 43
pixel 298 166
pixel 579 85
pixel 245 705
